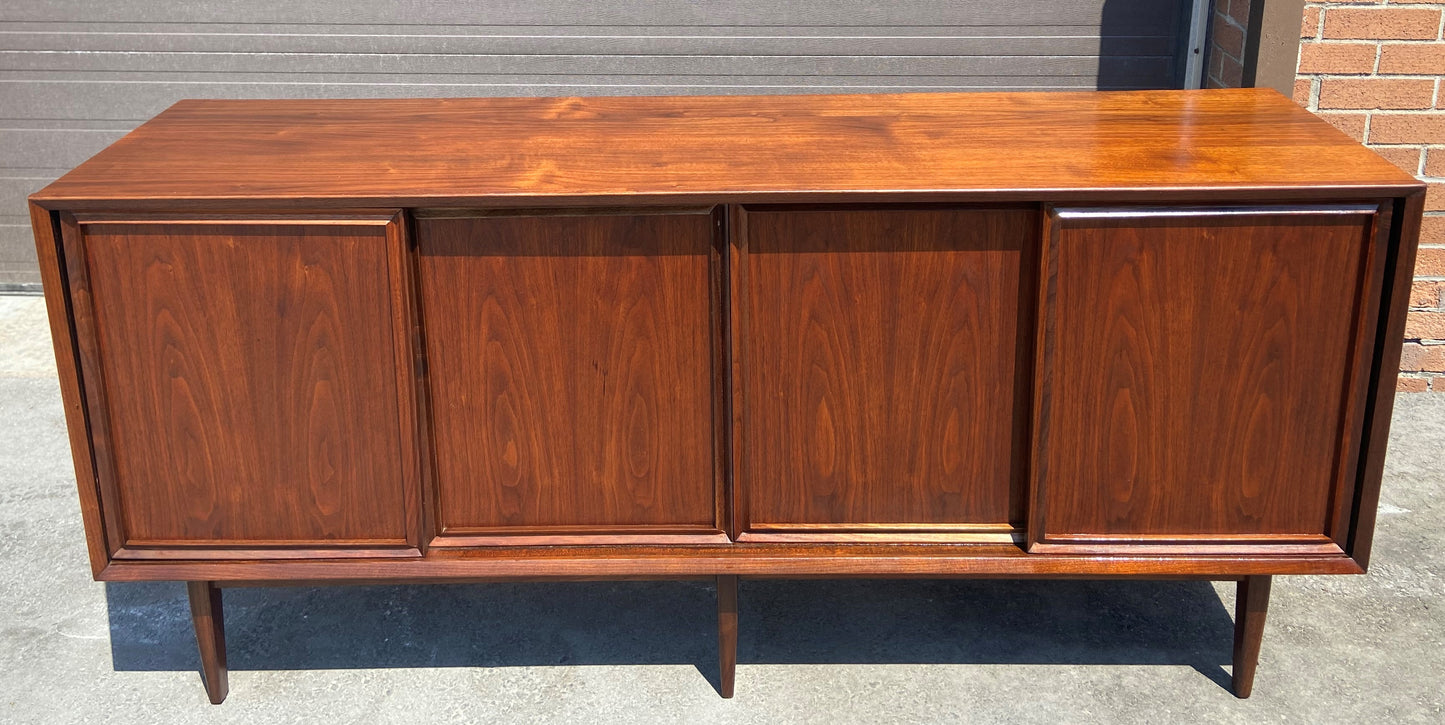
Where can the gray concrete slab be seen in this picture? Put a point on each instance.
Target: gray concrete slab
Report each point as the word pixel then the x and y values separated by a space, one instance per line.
pixel 1336 649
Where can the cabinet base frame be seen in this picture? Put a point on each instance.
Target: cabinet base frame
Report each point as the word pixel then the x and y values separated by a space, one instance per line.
pixel 784 561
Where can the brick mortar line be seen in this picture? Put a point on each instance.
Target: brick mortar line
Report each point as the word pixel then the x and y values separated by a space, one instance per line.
pixel 1375 6
pixel 1394 112
pixel 1226 54
pixel 1363 41
pixel 1394 41
pixel 1354 75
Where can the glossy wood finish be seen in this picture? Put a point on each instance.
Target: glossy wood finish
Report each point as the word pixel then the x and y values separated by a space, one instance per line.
pixel 208 618
pixel 571 365
pixel 61 314
pixel 1399 268
pixel 770 559
pixel 1251 602
pixel 525 151
pixel 1180 395
pixel 727 633
pixel 708 338
pixel 242 382
pixel 881 371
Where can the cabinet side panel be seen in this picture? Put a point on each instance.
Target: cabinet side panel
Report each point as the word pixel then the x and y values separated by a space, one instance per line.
pixel 882 368
pixel 49 251
pixel 571 365
pixel 1399 275
pixel 1198 374
pixel 251 383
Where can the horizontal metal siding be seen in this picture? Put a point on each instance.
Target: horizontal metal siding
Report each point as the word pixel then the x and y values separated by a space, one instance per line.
pixel 77 74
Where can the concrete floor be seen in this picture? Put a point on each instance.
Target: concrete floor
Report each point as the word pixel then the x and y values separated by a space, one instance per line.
pixel 1336 649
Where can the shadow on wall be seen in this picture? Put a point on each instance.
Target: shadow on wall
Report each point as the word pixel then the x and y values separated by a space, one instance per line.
pixel 644 623
pixel 1143 44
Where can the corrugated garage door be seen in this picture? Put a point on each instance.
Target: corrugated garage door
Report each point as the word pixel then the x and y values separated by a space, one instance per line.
pixel 77 74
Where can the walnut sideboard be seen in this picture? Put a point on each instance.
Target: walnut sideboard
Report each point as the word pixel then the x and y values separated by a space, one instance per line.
pixel 1068 335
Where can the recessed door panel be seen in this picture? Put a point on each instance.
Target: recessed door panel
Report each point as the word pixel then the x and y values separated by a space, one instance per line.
pixel 571 369
pixel 1201 375
pixel 881 374
pixel 242 379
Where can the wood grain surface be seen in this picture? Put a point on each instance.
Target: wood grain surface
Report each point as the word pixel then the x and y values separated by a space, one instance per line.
pixel 571 368
pixel 463 397
pixel 249 382
pixel 727 634
pixel 1385 356
pixel 59 307
pixel 711 337
pixel 881 367
pixel 1251 604
pixel 511 151
pixel 1196 374
pixel 741 559
pixel 209 621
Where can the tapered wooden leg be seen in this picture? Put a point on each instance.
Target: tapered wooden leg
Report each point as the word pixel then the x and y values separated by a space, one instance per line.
pixel 210 636
pixel 1250 604
pixel 727 632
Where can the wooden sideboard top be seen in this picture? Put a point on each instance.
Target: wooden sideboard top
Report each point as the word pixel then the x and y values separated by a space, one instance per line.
pixel 607 150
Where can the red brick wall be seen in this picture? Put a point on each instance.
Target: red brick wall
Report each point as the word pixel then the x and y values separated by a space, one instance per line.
pixel 1226 44
pixel 1373 69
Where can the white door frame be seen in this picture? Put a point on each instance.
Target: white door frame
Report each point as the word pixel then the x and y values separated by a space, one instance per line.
pixel 1194 54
